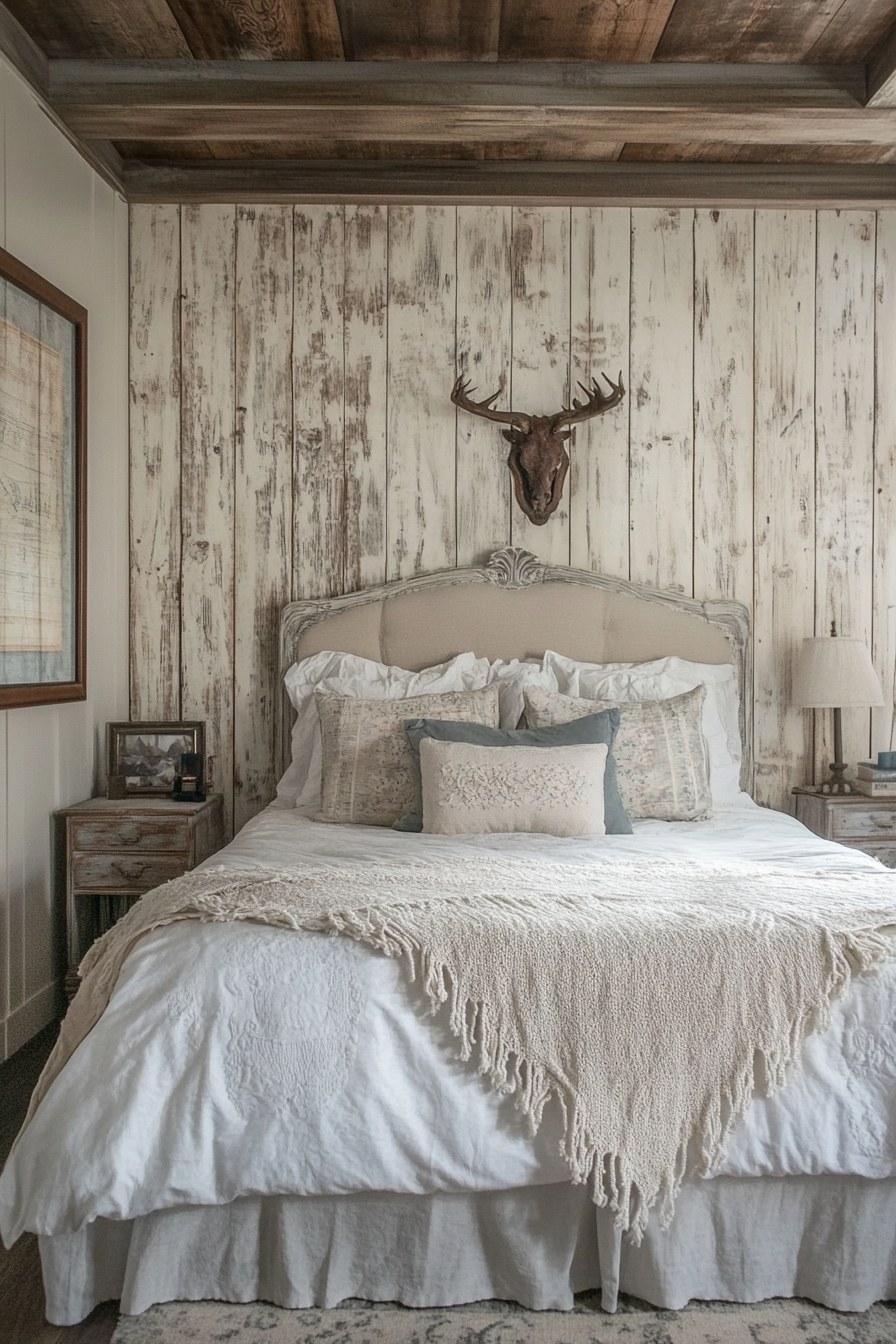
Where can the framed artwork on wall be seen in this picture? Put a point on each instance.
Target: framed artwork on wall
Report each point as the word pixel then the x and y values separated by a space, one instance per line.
pixel 43 478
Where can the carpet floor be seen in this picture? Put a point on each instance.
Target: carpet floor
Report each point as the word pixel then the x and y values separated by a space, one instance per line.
pixel 355 1322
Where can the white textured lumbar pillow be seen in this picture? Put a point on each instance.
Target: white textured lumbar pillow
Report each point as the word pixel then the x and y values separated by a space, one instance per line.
pixel 473 790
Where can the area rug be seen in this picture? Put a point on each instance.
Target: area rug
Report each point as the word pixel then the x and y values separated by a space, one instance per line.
pixel 355 1322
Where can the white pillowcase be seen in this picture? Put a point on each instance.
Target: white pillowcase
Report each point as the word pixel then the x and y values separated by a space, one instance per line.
pixel 474 790
pixel 660 680
pixel 347 674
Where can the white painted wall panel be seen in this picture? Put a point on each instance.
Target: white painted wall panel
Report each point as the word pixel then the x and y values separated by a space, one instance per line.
pixel 64 222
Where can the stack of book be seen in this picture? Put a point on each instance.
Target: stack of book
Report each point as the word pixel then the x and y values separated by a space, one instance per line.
pixel 875 782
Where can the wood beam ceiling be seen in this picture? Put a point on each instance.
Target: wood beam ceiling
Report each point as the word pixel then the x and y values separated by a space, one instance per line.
pixel 364 102
pixel 516 183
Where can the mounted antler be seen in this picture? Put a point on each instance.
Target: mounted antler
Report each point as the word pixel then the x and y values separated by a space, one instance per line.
pixel 597 401
pixel 537 460
pixel 460 395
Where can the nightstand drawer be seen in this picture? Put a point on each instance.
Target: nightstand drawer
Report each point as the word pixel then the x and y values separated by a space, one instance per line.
pixel 124 872
pixel 130 833
pixel 863 823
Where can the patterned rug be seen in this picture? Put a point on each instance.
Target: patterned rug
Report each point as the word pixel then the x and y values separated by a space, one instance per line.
pixel 356 1322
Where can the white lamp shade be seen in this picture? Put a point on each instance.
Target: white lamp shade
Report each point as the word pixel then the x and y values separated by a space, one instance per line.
pixel 835 673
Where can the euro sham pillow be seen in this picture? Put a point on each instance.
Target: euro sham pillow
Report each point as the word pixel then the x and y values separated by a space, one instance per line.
pixel 660 679
pixel 348 674
pixel 475 790
pixel 662 762
pixel 367 766
pixel 591 729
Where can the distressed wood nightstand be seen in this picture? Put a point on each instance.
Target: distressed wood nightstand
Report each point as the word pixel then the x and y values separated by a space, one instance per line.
pixel 852 819
pixel 116 849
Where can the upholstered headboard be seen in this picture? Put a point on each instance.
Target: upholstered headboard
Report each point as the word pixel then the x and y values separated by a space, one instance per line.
pixel 516 607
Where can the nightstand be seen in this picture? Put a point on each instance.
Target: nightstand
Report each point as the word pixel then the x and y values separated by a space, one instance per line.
pixel 852 819
pixel 116 849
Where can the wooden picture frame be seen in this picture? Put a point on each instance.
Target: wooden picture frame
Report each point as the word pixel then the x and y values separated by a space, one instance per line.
pixel 43 507
pixel 147 755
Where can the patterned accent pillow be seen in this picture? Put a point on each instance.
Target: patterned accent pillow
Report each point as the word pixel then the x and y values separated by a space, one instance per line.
pixel 473 790
pixel 662 764
pixel 367 771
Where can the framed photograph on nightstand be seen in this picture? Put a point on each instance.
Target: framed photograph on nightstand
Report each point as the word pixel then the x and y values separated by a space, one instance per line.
pixel 147 755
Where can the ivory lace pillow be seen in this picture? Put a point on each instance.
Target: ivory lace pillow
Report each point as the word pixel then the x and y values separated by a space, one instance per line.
pixel 472 790
pixel 662 764
pixel 367 767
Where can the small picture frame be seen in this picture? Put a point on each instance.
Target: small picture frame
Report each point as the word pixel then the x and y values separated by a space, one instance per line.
pixel 147 755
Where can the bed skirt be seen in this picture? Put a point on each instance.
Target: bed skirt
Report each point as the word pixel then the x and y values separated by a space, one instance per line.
pixel 830 1238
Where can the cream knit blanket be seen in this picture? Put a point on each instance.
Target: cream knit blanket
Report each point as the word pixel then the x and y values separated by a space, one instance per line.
pixel 650 999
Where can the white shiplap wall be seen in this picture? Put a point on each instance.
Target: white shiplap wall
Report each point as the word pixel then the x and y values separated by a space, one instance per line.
pixel 60 218
pixel 291 432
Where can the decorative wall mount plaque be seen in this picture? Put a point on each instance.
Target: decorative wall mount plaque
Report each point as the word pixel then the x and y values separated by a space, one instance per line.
pixel 43 506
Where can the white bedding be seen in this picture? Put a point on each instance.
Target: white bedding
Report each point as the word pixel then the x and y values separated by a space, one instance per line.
pixel 238 1060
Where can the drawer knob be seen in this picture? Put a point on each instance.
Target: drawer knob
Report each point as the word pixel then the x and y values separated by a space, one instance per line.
pixel 133 870
pixel 130 833
pixel 884 821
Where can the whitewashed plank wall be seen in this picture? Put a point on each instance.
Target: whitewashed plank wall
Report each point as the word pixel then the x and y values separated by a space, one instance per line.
pixel 61 219
pixel 291 433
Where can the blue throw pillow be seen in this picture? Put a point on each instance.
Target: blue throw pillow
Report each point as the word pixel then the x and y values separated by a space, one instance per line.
pixel 588 730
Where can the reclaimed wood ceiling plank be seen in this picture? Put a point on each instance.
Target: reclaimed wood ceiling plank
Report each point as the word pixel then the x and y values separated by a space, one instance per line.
pixel 378 102
pixel 394 30
pixel 571 147
pixel 260 29
pixel 101 29
pixel 855 32
pixel 774 30
pixel 604 30
pixel 696 152
pixel 741 184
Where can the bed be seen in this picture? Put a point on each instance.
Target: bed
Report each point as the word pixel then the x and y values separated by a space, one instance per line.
pixel 263 1114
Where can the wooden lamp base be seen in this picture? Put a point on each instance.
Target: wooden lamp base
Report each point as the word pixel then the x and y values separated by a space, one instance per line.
pixel 836 782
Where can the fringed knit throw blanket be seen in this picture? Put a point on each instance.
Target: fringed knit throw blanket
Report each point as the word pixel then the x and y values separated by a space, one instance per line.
pixel 650 999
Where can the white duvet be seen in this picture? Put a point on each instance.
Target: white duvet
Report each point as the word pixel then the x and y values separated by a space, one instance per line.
pixel 236 1059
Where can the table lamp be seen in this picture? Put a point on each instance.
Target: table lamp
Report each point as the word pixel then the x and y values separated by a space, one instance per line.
pixel 835 673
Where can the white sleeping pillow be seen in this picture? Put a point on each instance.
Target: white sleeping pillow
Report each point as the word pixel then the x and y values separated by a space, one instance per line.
pixel 659 680
pixel 347 674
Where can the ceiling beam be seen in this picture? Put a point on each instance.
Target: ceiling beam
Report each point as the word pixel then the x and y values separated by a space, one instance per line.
pixel 371 102
pixel 520 183
pixel 882 75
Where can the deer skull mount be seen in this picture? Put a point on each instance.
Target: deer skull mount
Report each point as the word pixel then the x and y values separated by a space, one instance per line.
pixel 537 459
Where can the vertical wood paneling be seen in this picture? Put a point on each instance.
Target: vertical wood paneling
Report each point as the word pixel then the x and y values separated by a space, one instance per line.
pixel 713 318
pixel 662 451
pixel 844 448
pixel 600 298
pixel 883 737
pixel 723 404
pixel 207 482
pixel 318 401
pixel 155 426
pixel 483 355
pixel 421 526
pixel 540 378
pixel 784 556
pixel 263 497
pixel 366 252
